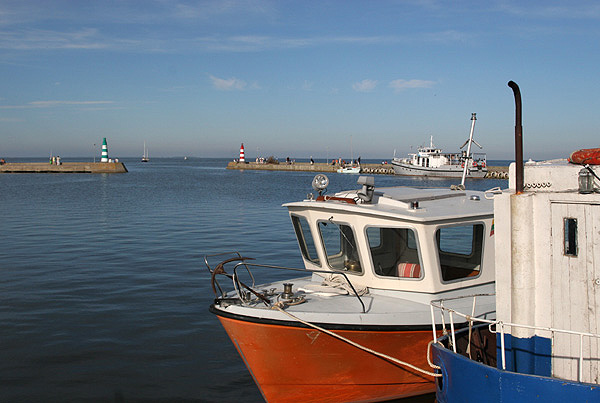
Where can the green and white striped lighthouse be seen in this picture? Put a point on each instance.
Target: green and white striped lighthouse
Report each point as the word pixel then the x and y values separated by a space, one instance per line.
pixel 104 151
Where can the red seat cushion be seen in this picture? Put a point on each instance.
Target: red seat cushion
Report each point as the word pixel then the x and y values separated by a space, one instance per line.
pixel 410 270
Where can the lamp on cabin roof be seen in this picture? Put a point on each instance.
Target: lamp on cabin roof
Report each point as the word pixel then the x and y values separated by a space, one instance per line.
pixel 586 181
pixel 320 183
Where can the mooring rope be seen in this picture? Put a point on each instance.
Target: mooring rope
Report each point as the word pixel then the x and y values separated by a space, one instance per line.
pixel 280 305
pixel 338 281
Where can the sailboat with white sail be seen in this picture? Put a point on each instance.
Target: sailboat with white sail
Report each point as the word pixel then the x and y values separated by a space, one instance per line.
pixel 145 157
pixel 352 168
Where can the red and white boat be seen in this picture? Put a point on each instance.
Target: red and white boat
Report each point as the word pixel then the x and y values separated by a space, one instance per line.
pixel 355 325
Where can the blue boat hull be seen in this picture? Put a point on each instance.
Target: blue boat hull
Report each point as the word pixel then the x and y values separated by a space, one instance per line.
pixel 466 380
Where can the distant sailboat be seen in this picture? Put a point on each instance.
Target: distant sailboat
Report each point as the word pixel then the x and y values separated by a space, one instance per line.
pixel 145 157
pixel 352 168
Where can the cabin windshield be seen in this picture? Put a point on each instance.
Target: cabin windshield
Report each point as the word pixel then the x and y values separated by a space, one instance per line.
pixel 460 249
pixel 394 252
pixel 305 239
pixel 340 246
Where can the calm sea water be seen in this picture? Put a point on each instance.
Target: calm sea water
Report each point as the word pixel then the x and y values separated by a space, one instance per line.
pixel 104 295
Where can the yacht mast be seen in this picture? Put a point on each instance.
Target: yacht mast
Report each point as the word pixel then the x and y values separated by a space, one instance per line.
pixel 467 160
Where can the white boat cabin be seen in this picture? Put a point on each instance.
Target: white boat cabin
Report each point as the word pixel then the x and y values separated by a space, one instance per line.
pixel 552 277
pixel 405 239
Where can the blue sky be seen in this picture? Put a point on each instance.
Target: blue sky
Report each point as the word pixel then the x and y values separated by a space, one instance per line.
pixel 296 78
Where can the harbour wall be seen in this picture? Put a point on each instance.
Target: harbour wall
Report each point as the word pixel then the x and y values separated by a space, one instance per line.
pixel 65 167
pixel 376 169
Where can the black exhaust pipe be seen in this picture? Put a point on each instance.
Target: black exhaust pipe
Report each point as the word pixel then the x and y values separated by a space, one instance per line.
pixel 518 138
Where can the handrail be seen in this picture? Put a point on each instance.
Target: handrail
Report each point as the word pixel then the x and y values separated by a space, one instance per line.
pixel 439 304
pixel 248 265
pixel 219 254
pixel 210 270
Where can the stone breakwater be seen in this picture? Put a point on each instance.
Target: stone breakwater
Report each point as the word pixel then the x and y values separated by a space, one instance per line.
pixel 65 167
pixel 375 169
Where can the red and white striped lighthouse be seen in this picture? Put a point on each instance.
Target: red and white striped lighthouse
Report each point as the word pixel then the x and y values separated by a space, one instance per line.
pixel 242 159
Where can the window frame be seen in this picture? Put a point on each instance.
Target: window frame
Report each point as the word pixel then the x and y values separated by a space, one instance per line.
pixel 303 246
pixel 437 250
pixel 356 245
pixel 418 250
pixel 570 243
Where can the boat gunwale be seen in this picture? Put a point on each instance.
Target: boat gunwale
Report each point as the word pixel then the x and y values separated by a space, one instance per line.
pixel 217 310
pixel 460 331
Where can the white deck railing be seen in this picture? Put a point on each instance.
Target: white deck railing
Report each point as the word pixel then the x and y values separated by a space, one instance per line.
pixel 499 327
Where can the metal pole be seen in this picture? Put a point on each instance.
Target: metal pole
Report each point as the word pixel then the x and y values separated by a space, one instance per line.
pixel 467 162
pixel 433 323
pixel 518 138
pixel 580 377
pixel 453 335
pixel 502 345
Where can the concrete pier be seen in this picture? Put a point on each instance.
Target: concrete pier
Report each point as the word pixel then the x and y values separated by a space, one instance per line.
pixel 371 169
pixel 306 166
pixel 65 167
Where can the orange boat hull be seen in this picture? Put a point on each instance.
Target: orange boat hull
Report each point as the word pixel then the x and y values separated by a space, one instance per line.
pixel 292 364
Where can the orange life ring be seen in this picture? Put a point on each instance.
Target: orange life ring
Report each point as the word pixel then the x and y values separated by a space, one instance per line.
pixel 586 156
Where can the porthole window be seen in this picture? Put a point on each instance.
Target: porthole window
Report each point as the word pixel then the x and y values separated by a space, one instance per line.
pixel 570 225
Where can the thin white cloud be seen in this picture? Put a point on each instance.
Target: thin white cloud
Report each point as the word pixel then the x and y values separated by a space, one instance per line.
pixel 48 104
pixel 32 39
pixel 399 85
pixel 253 43
pixel 552 10
pixel 227 8
pixel 52 104
pixel 228 84
pixel 165 26
pixel 365 85
pixel 94 39
pixel 308 85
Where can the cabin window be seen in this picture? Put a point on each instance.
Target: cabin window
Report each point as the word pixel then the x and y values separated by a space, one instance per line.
pixel 394 252
pixel 305 239
pixel 460 249
pixel 570 236
pixel 340 246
